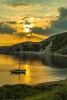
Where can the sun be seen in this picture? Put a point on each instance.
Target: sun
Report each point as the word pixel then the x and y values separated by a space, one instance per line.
pixel 26 24
pixel 27 27
pixel 27 30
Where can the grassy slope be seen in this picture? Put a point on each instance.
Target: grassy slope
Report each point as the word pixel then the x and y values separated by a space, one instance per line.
pixel 50 91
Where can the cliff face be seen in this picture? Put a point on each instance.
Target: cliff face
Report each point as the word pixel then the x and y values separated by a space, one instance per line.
pixel 59 44
pixel 54 44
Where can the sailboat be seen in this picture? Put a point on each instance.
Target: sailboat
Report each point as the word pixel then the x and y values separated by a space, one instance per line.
pixel 18 71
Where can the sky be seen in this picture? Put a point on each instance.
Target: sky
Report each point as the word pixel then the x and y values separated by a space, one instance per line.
pixel 31 20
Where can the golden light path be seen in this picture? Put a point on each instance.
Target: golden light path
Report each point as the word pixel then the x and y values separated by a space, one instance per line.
pixel 36 71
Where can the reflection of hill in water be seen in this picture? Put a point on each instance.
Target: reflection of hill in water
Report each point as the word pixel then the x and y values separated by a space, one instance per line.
pixel 55 61
pixel 51 60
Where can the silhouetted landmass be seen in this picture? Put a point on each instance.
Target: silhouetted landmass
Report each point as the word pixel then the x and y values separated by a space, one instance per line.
pixel 58 45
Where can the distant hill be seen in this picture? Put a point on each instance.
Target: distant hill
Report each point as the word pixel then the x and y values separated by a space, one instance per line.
pixel 59 44
pixel 54 44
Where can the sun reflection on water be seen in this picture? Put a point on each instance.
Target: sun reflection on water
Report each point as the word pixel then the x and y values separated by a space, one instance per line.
pixel 36 72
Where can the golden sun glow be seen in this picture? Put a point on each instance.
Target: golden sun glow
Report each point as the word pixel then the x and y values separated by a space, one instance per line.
pixel 27 27
pixel 23 27
pixel 27 30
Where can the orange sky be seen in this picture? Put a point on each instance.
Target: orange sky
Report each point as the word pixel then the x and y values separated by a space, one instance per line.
pixel 23 32
pixel 20 18
pixel 13 39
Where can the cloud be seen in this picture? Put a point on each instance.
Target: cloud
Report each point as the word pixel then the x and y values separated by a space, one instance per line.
pixel 57 26
pixel 5 29
pixel 18 4
pixel 47 31
pixel 15 3
pixel 63 13
pixel 11 22
pixel 23 2
pixel 38 30
pixel 61 23
pixel 21 34
pixel 25 18
pixel 27 23
pixel 52 31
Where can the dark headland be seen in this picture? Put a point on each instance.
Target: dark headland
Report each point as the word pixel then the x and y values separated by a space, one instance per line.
pixel 56 44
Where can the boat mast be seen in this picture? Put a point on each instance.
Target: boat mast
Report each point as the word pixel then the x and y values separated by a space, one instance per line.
pixel 19 59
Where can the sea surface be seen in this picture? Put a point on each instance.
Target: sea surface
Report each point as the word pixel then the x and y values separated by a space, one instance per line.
pixel 39 68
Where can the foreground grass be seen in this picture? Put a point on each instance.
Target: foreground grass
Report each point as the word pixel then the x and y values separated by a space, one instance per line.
pixel 50 91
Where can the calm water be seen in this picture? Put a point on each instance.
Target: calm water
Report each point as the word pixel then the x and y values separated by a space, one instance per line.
pixel 39 69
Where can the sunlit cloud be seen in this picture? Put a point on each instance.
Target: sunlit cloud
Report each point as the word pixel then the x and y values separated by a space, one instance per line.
pixel 21 18
pixel 27 27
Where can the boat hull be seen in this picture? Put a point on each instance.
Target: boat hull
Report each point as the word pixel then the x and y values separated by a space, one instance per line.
pixel 17 71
